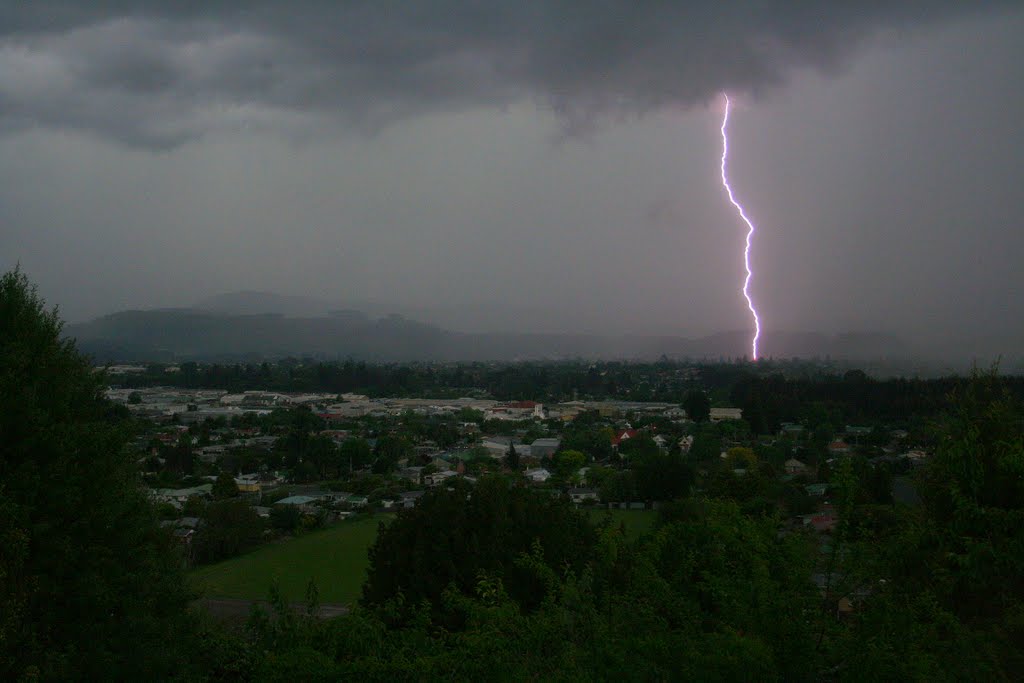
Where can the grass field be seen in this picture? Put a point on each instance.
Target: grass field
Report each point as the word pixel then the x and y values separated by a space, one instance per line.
pixel 335 558
pixel 636 522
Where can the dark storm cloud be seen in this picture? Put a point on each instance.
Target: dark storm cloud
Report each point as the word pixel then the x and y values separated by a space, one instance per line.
pixel 161 73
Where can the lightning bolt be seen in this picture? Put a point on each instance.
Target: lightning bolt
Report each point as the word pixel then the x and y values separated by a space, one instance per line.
pixel 750 233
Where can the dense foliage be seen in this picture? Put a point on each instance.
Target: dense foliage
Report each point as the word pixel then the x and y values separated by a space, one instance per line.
pixel 90 586
pixel 452 536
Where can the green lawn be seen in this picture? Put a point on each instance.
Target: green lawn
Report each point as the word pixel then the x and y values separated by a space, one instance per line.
pixel 335 558
pixel 637 522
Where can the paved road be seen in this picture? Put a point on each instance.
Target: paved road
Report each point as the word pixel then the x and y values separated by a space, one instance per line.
pixel 233 609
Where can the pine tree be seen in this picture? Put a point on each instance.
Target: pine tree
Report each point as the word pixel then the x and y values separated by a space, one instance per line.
pixel 512 457
pixel 90 586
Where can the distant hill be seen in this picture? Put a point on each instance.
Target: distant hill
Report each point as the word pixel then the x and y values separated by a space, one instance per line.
pixel 257 303
pixel 193 334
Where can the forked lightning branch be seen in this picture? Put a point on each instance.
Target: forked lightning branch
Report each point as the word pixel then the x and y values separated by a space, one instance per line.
pixel 750 233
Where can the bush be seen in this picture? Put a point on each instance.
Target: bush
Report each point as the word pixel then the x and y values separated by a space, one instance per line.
pixel 452 536
pixel 229 527
pixel 285 517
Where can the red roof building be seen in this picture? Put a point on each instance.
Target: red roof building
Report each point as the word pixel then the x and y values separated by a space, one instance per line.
pixel 619 437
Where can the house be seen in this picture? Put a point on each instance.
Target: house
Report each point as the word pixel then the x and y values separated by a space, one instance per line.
pixel 411 498
pixel 794 466
pixel 661 441
pixel 497 447
pixel 916 457
pixel 579 495
pixel 357 501
pixel 338 436
pixel 816 490
pixel 623 435
pixel 791 429
pixel 543 448
pixel 248 483
pixel 184 536
pixel 411 474
pixel 719 414
pixel 438 478
pixel 441 462
pixel 181 495
pixel 839 447
pixel 191 523
pixel 823 521
pixel 304 503
pixel 538 475
pixel 336 497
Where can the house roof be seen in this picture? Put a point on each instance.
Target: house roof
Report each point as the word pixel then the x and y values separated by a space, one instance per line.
pixel 522 405
pixel 296 500
pixel 624 434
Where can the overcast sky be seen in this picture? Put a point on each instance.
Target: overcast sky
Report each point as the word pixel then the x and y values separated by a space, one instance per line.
pixel 549 166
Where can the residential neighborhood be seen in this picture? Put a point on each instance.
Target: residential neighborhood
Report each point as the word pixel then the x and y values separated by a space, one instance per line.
pixel 308 460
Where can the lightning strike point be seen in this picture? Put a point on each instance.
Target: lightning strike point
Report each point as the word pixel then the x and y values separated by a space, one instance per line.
pixel 750 232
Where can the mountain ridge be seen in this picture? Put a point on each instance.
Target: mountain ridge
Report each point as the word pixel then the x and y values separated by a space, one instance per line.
pixel 198 334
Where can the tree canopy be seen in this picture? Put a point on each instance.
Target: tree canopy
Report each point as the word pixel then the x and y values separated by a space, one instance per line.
pixel 90 586
pixel 453 535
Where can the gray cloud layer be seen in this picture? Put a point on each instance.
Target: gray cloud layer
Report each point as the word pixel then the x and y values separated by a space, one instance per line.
pixel 159 74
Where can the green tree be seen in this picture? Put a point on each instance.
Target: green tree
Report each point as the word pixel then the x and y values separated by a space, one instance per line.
pixel 229 527
pixel 661 476
pixel 302 423
pixel 568 463
pixel 598 475
pixel 741 457
pixel 639 446
pixel 451 536
pixel 697 405
pixel 512 458
pixel 619 488
pixel 285 517
pixel 707 445
pixel 355 454
pixel 90 586
pixel 324 457
pixel 951 605
pixel 390 449
pixel 225 487
pixel 470 415
pixel 594 441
